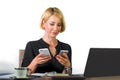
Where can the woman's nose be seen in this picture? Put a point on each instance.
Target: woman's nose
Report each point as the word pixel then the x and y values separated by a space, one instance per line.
pixel 55 27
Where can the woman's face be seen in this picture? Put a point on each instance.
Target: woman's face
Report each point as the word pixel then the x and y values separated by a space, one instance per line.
pixel 53 26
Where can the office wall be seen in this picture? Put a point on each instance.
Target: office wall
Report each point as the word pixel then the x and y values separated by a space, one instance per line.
pixel 90 23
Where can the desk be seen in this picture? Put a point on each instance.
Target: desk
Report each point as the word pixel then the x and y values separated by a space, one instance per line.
pixel 104 78
pixel 49 78
pixel 69 78
pixel 62 78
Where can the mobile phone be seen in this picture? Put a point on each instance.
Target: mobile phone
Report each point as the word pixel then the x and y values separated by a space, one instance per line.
pixel 44 51
pixel 63 51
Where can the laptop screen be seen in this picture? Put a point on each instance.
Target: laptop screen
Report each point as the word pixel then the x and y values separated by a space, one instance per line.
pixel 103 62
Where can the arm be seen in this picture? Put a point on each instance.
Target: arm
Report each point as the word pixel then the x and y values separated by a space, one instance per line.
pixel 65 60
pixel 28 58
pixel 39 59
pixel 31 60
pixel 28 55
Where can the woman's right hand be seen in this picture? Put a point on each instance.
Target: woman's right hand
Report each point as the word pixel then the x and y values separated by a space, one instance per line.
pixel 39 59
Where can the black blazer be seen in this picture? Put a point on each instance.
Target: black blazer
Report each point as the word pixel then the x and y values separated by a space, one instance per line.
pixel 31 51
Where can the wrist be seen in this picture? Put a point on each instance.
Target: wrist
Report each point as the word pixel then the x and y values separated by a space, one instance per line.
pixel 68 70
pixel 67 66
pixel 29 71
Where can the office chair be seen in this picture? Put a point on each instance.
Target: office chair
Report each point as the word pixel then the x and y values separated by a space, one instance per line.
pixel 21 55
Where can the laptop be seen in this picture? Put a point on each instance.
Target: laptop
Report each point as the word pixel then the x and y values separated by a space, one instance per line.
pixel 103 62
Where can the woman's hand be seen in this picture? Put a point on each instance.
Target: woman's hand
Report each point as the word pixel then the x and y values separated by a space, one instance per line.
pixel 39 59
pixel 63 59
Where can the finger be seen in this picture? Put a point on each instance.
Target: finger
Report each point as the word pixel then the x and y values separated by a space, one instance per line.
pixel 39 55
pixel 46 58
pixel 65 55
pixel 58 57
pixel 43 60
pixel 61 61
pixel 42 56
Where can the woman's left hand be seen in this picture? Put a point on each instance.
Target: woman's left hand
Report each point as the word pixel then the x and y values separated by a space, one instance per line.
pixel 63 59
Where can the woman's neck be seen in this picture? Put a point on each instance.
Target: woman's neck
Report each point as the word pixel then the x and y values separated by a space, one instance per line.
pixel 51 41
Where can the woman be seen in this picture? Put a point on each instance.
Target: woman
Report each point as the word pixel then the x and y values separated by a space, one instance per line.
pixel 52 21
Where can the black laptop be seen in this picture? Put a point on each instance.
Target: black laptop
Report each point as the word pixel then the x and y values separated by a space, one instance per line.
pixel 103 62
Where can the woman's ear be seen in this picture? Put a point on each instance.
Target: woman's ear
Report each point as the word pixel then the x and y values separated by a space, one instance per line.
pixel 43 24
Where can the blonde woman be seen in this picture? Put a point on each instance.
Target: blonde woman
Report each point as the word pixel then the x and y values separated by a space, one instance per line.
pixel 52 21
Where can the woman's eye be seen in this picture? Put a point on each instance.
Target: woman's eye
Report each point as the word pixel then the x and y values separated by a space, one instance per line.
pixel 52 24
pixel 59 25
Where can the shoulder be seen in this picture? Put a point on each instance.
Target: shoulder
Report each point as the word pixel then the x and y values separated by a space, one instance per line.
pixel 63 44
pixel 34 42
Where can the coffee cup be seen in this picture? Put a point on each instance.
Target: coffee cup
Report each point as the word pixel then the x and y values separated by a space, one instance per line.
pixel 21 72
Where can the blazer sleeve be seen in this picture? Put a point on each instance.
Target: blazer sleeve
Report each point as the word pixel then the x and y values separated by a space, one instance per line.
pixel 28 55
pixel 70 55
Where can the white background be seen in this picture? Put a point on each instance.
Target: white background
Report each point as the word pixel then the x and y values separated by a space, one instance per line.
pixel 90 23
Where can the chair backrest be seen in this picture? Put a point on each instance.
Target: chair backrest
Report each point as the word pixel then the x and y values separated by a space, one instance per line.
pixel 21 55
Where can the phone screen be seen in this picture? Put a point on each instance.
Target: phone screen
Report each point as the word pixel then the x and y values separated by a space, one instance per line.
pixel 44 51
pixel 63 51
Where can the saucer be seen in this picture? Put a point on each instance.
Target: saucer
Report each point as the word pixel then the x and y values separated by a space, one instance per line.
pixel 22 78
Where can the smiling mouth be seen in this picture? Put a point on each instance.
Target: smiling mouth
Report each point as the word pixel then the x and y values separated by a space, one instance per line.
pixel 55 33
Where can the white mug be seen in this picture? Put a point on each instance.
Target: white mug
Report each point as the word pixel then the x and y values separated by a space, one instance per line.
pixel 21 72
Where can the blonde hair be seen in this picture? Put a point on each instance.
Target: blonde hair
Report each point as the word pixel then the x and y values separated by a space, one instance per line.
pixel 53 11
